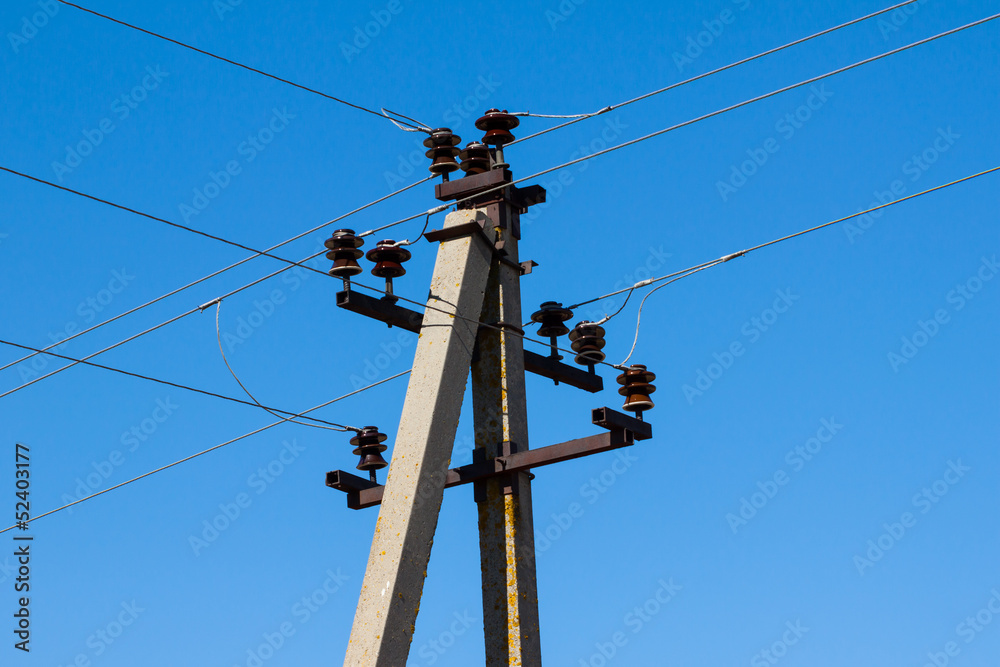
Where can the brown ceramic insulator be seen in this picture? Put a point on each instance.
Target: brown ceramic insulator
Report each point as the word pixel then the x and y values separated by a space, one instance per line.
pixel 588 341
pixel 443 160
pixel 497 125
pixel 371 461
pixel 441 150
pixel 475 158
pixel 388 259
pixel 368 445
pixel 343 245
pixel 551 316
pixel 637 388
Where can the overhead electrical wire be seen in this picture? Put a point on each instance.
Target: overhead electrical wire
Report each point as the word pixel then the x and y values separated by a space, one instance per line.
pixel 642 303
pixel 614 148
pixel 684 273
pixel 205 451
pixel 274 411
pixel 742 253
pixel 246 67
pixel 575 118
pixel 706 116
pixel 687 271
pixel 197 309
pixel 219 272
pixel 218 335
pixel 258 253
pixel 579 117
pixel 420 127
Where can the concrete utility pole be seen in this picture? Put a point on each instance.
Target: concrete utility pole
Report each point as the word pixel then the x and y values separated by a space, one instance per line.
pixel 401 548
pixel 506 533
pixel 476 282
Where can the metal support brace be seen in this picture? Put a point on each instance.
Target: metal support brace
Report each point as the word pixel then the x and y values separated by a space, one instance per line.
pixel 397 316
pixel 624 431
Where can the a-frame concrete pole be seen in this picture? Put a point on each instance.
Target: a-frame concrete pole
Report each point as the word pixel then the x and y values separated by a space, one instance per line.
pixel 506 532
pixel 394 580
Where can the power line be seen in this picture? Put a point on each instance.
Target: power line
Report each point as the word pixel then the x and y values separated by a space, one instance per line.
pixel 677 275
pixel 233 62
pixel 706 116
pixel 682 273
pixel 218 336
pixel 206 451
pixel 259 253
pixel 579 117
pixel 605 151
pixel 638 317
pixel 151 329
pixel 686 272
pixel 174 319
pixel 274 411
pixel 220 271
pixel 650 281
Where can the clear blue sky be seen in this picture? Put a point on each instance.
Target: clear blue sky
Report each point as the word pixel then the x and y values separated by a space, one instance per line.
pixel 827 495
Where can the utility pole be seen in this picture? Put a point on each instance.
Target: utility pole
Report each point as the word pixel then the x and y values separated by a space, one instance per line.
pixel 506 533
pixel 472 321
pixel 401 548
